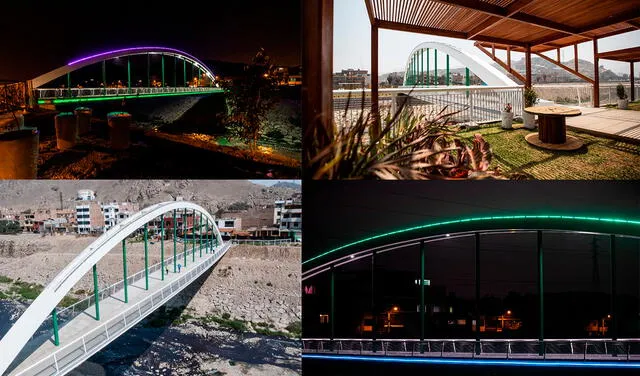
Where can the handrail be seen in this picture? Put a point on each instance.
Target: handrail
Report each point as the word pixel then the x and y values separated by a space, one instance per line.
pixel 223 248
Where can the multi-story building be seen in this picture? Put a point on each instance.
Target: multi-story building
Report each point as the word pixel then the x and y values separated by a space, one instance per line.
pixel 92 216
pixel 351 79
pixel 291 216
pixel 89 217
pixel 228 226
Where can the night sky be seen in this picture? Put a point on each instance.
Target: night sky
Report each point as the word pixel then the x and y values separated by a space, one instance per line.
pixel 39 36
pixel 340 212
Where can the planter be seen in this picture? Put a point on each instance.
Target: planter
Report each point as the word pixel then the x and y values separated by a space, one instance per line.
pixel 119 123
pixel 83 119
pixel 507 120
pixel 66 130
pixel 623 104
pixel 529 120
pixel 19 154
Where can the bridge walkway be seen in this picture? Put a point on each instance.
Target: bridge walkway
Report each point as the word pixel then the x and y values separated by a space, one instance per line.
pixel 84 324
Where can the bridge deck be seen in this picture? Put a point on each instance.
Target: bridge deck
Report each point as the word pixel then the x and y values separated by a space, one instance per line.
pixel 619 124
pixel 111 307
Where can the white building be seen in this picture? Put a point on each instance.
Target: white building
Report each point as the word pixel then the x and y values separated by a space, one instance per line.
pixel 86 195
pixel 291 216
pixel 92 216
pixel 277 211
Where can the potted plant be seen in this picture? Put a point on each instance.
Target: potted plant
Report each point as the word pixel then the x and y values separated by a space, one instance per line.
pixel 530 100
pixel 623 102
pixel 507 116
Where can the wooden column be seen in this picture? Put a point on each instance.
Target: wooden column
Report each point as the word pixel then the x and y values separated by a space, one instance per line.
pixel 633 84
pixel 375 131
pixel 527 59
pixel 596 75
pixel 575 57
pixel 317 86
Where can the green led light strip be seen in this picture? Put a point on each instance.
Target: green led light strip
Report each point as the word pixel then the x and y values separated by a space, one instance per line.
pixel 473 219
pixel 126 96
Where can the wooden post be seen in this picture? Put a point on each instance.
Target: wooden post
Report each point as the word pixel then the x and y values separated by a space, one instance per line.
pixel 527 56
pixel 633 84
pixel 375 131
pixel 317 86
pixel 596 75
pixel 575 57
pixel 509 57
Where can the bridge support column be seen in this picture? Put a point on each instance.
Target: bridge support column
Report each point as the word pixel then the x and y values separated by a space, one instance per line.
pixel 184 72
pixel 69 84
pixel 435 65
pixel 332 316
pixel 162 57
pixel 96 293
pixel 148 70
pixel 421 296
pixel 162 245
pixel 374 313
pixel 200 228
pixel 124 267
pixel 467 80
pixel 104 76
pixel 193 237
pixel 175 255
pixel 207 238
pixel 175 68
pixel 129 75
pixel 541 292
pixel 613 292
pixel 146 257
pixel 184 235
pixel 477 302
pixel 428 78
pixel 447 80
pixel 54 318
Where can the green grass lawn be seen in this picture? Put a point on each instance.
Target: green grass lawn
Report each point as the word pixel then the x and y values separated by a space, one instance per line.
pixel 599 159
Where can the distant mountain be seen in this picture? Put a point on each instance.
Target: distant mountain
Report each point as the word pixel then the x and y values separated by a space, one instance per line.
pixel 288 185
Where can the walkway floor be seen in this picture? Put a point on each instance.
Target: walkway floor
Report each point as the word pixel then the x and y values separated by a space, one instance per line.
pixel 607 122
pixel 109 308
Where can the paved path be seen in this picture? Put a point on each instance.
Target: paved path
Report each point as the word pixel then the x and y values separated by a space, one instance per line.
pixel 606 122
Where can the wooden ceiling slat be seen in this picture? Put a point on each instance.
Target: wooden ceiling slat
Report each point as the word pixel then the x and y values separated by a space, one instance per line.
pixel 627 54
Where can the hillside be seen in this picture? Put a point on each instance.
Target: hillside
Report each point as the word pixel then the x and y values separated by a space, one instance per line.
pixel 211 194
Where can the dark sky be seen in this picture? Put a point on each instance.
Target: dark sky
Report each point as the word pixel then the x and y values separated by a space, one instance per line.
pixel 340 212
pixel 39 36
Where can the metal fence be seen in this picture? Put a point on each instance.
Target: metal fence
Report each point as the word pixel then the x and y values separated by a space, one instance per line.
pixel 262 242
pixel 101 92
pixel 68 357
pixel 552 349
pixel 464 103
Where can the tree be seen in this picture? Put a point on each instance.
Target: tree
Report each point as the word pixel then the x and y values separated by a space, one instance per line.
pixel 250 98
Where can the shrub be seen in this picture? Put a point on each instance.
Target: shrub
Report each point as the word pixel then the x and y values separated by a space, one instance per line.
pixel 4 279
pixel 295 328
pixel 620 92
pixel 530 97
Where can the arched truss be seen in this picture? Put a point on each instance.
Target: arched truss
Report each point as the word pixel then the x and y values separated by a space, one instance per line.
pixel 466 227
pixel 485 71
pixel 20 333
pixel 89 60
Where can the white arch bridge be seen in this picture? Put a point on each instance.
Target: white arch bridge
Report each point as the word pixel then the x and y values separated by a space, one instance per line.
pixel 47 340
pixel 194 78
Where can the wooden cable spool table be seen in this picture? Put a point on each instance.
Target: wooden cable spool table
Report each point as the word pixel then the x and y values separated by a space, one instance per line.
pixel 552 128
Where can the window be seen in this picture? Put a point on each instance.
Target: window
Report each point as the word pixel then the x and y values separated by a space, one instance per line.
pixel 324 318
pixel 228 223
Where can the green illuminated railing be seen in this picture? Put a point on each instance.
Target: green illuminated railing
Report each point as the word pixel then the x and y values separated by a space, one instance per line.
pixel 62 96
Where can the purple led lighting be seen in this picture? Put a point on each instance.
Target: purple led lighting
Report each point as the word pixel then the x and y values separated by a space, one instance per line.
pixel 134 49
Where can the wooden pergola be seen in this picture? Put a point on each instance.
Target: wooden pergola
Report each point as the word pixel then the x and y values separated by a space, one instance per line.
pixel 529 26
pixel 629 55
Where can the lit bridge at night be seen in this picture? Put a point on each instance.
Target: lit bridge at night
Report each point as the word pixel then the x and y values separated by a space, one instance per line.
pixel 187 75
pixel 359 263
pixel 47 340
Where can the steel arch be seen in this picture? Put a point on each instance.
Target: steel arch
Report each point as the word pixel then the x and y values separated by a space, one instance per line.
pixel 89 60
pixel 487 73
pixel 20 333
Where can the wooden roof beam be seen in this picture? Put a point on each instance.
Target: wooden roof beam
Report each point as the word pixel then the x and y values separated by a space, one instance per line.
pixel 369 6
pixel 493 21
pixel 612 20
pixel 634 23
pixel 574 72
pixel 508 68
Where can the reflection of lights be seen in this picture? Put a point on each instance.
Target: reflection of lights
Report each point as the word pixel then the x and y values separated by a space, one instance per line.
pixel 395 309
pixel 608 316
pixel 508 312
pixel 265 150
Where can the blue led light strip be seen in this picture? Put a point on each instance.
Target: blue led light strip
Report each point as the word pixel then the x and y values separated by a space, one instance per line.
pixel 479 362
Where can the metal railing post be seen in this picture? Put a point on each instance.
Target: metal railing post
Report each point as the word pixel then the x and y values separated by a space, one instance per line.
pixel 193 237
pixel 146 257
pixel 96 293
pixel 124 267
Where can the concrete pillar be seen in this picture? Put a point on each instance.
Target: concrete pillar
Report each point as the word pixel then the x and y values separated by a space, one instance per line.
pixel 66 130
pixel 83 119
pixel 19 154
pixel 119 123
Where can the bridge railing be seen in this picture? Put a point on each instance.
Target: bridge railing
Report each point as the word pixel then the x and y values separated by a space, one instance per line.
pixel 468 103
pixel 112 91
pixel 70 355
pixel 262 242
pixel 552 349
pixel 68 313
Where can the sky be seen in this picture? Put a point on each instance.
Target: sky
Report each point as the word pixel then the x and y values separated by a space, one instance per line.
pixel 337 213
pixel 352 43
pixel 39 36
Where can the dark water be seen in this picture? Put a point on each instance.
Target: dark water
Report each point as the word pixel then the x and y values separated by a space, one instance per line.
pixel 149 348
pixel 323 367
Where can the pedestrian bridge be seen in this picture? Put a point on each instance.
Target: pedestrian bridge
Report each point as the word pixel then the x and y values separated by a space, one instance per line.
pixel 47 340
pixel 180 74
